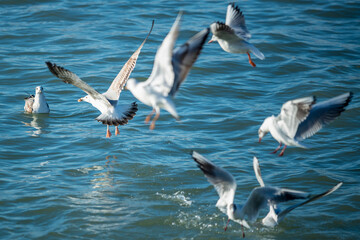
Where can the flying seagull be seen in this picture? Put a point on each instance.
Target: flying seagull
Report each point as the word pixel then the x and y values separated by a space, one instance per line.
pixel 37 103
pixel 233 35
pixel 275 214
pixel 259 198
pixel 169 71
pixel 301 118
pixel 107 103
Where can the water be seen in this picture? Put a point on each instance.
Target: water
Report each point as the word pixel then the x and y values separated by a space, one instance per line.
pixel 61 178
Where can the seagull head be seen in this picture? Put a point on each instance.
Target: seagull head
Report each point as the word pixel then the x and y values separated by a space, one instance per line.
pixel 39 89
pixel 264 128
pixel 85 99
pixel 213 29
pixel 213 39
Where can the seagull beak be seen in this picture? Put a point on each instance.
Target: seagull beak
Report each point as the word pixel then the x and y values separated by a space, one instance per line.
pixel 259 140
pixel 210 41
pixel 80 100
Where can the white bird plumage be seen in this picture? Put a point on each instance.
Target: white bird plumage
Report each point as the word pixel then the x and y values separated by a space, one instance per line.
pixel 112 113
pixel 233 35
pixel 37 103
pixel 259 198
pixel 301 118
pixel 171 67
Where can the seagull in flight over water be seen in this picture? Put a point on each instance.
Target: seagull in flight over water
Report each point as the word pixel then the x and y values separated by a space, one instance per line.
pixel 108 102
pixel 259 198
pixel 233 35
pixel 301 118
pixel 171 67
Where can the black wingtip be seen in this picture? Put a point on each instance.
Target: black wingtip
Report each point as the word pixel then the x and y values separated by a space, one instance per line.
pixel 237 8
pixel 51 66
pixel 349 98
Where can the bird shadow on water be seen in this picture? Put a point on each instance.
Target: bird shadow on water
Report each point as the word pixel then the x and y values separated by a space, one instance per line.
pixel 38 124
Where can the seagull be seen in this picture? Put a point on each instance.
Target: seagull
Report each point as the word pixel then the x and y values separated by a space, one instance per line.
pixel 276 215
pixel 259 198
pixel 233 35
pixel 301 118
pixel 169 71
pixel 37 103
pixel 107 103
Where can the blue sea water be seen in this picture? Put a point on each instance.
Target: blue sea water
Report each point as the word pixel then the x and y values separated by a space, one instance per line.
pixel 60 178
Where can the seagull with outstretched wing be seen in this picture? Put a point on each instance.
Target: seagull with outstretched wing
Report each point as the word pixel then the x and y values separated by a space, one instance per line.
pixel 259 198
pixel 233 35
pixel 301 118
pixel 171 67
pixel 112 113
pixel 275 214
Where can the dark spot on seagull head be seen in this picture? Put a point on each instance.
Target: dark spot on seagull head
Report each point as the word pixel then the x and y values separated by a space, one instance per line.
pixel 39 89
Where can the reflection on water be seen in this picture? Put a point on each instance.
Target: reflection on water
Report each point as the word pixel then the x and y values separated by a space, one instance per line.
pixel 38 123
pixel 103 176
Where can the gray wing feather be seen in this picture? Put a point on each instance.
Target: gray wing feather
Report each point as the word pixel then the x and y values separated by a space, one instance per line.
pixel 261 196
pixel 29 102
pixel 222 180
pixel 185 56
pixel 322 113
pixel 71 78
pixel 293 112
pixel 162 75
pixel 236 20
pixel 221 30
pixel 113 93
pixel 283 213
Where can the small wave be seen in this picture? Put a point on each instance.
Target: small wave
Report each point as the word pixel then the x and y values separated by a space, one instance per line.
pixel 179 196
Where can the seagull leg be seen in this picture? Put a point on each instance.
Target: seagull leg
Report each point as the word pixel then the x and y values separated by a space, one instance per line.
pixel 242 229
pixel 117 132
pixel 227 224
pixel 147 119
pixel 250 61
pixel 108 133
pixel 277 149
pixel 282 152
pixel 152 125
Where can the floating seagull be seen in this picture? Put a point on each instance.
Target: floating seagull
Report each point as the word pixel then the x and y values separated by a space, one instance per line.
pixel 233 36
pixel 107 103
pixel 37 103
pixel 170 70
pixel 259 198
pixel 301 118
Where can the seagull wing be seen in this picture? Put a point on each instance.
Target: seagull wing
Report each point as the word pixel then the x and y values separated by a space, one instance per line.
pixel 223 31
pixel 236 20
pixel 283 213
pixel 321 114
pixel 113 93
pixel 162 75
pixel 185 56
pixel 257 171
pixel 222 180
pixel 293 112
pixel 260 197
pixel 71 78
